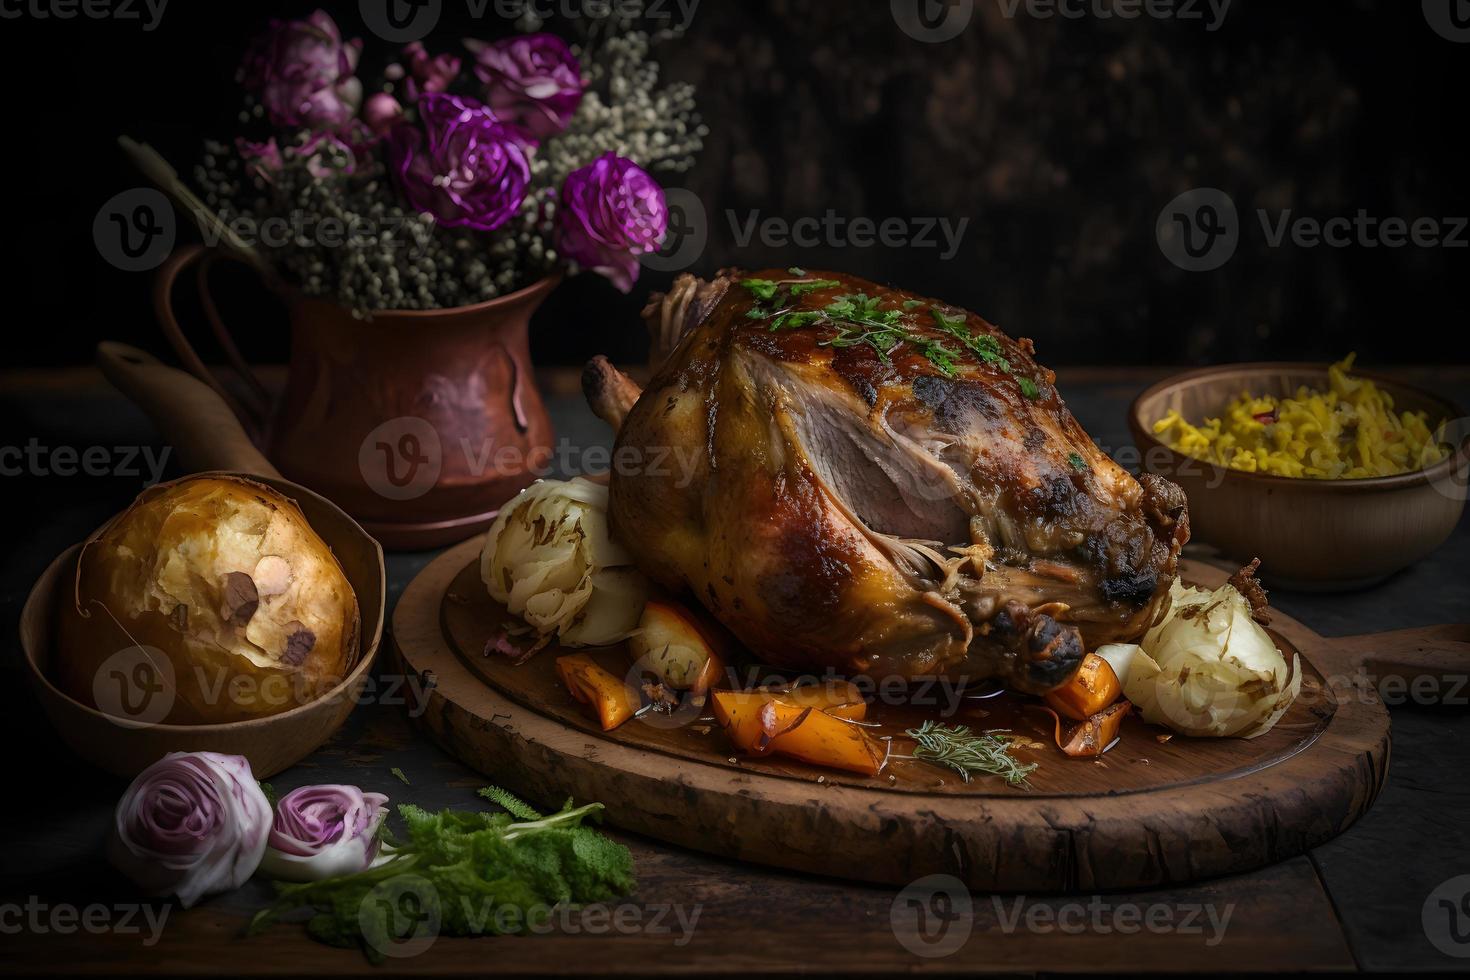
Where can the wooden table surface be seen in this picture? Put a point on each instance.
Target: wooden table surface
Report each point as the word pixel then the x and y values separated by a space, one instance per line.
pixel 1365 901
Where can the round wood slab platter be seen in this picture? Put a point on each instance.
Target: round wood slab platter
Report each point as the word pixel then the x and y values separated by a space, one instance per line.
pixel 1153 810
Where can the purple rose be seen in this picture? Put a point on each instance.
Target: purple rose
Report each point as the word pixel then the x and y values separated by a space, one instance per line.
pixel 302 73
pixel 324 831
pixel 428 74
pixel 611 212
pixel 191 824
pixel 533 80
pixel 264 160
pixel 462 164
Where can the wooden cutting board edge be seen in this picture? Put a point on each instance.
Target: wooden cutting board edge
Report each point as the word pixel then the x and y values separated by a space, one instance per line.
pixel 1052 844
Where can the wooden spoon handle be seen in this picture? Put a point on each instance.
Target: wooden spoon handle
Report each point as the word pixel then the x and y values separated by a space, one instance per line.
pixel 1437 654
pixel 192 418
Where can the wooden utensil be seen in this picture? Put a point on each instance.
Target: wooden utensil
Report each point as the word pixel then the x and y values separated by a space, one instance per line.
pixel 207 438
pixel 1146 813
pixel 1318 535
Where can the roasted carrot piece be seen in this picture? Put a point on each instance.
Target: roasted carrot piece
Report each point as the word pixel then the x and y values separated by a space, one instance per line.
pixel 1090 690
pixel 814 736
pixel 808 725
pixel 1093 736
pixel 590 684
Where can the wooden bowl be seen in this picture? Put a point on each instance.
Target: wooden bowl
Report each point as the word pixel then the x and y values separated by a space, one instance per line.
pixel 1318 535
pixel 273 743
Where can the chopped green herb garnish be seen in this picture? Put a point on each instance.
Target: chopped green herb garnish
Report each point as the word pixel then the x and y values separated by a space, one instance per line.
pixel 1028 387
pixel 762 288
pixel 1078 463
pixel 399 774
pixel 982 345
pixel 859 320
pixel 802 288
pixel 797 271
pixel 968 753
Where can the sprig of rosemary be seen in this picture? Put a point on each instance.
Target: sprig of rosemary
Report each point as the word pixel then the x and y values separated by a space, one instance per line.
pixel 969 753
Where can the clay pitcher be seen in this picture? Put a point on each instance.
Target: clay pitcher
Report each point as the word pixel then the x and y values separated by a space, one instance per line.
pixel 419 424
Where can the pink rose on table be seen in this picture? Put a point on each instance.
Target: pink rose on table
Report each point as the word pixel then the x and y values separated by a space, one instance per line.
pixel 302 73
pixel 192 824
pixel 533 81
pixel 611 212
pixel 324 831
pixel 461 164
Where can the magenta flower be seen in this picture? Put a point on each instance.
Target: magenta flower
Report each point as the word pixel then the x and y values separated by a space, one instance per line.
pixel 264 160
pixel 462 164
pixel 302 73
pixel 611 212
pixel 191 824
pixel 324 831
pixel 428 73
pixel 533 81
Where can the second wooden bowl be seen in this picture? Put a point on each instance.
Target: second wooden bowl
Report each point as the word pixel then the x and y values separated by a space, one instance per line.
pixel 1320 535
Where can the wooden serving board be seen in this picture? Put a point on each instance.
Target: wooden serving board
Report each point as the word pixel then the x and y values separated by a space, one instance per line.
pixel 1153 810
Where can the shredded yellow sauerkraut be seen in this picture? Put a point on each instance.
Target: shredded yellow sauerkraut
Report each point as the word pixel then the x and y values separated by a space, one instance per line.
pixel 1348 432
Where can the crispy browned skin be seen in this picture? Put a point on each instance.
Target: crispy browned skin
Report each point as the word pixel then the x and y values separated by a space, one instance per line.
pixel 839 509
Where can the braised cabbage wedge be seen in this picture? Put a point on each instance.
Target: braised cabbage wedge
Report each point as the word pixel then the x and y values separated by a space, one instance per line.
pixel 550 559
pixel 1207 668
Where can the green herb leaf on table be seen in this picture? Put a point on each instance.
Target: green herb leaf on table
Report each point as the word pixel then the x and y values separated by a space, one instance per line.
pixel 477 873
pixel 398 774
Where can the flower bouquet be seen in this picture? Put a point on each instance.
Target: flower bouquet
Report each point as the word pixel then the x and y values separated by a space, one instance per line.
pixel 412 230
pixel 461 176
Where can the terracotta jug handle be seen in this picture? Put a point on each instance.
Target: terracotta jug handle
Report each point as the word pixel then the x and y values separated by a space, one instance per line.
pixel 254 411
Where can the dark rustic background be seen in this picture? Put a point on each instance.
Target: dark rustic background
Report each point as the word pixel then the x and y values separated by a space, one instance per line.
pixel 1059 139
